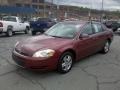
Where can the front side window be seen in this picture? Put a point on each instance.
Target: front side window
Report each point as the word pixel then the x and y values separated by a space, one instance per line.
pixel 87 29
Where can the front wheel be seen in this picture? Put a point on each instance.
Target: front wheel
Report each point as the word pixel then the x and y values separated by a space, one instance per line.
pixel 65 62
pixel 106 47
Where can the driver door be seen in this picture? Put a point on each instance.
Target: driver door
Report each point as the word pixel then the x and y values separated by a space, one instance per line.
pixel 21 25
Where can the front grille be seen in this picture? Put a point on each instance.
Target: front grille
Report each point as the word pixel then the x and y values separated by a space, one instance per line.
pixel 20 52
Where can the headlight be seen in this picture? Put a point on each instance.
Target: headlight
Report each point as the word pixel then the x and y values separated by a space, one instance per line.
pixel 44 53
pixel 16 44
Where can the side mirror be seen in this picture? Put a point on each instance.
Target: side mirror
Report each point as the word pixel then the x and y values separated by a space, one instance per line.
pixel 84 35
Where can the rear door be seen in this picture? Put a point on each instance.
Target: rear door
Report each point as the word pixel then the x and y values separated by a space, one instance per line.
pixel 86 46
pixel 100 34
pixel 15 24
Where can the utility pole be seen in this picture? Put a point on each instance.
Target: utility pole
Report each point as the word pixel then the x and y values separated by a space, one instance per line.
pixel 68 11
pixel 102 10
pixel 89 12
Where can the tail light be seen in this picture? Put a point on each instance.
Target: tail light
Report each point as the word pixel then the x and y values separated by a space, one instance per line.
pixel 1 24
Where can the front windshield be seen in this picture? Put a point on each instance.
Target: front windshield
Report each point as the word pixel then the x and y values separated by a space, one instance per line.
pixel 63 30
pixel 13 19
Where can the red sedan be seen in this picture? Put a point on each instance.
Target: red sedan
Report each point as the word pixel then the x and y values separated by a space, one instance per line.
pixel 61 45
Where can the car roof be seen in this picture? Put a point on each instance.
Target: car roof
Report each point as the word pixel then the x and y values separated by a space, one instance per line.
pixel 75 22
pixel 80 22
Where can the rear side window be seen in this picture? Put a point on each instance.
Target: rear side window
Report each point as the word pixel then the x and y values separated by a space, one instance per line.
pixel 87 29
pixel 97 28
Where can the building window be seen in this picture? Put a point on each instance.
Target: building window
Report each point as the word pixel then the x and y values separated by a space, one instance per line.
pixel 35 6
pixel 27 5
pixel 41 7
pixel 48 7
pixel 34 1
pixel 41 1
pixel 18 5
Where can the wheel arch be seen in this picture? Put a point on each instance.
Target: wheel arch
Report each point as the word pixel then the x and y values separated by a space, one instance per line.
pixel 71 51
pixel 109 40
pixel 28 27
pixel 10 27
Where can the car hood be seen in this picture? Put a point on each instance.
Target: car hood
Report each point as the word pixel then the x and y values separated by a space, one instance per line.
pixel 31 45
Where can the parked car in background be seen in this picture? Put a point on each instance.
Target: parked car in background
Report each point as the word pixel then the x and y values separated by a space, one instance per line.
pixel 12 24
pixel 114 25
pixel 41 25
pixel 62 45
pixel 71 19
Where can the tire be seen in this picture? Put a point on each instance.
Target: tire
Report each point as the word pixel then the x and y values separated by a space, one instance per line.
pixel 26 30
pixel 9 33
pixel 115 29
pixel 65 62
pixel 33 33
pixel 42 31
pixel 13 33
pixel 106 47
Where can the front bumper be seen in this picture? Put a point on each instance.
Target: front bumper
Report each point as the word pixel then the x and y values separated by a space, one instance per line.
pixel 35 63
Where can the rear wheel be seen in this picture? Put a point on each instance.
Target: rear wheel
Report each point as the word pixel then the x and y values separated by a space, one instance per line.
pixel 114 29
pixel 33 33
pixel 65 63
pixel 26 30
pixel 106 47
pixel 9 33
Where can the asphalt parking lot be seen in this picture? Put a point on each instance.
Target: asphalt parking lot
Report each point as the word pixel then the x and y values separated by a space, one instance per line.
pixel 97 72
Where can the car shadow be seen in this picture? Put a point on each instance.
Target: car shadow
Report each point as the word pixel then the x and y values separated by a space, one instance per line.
pixel 44 74
pixel 87 58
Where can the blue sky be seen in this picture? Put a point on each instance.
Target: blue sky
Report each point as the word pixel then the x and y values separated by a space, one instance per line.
pixel 95 4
